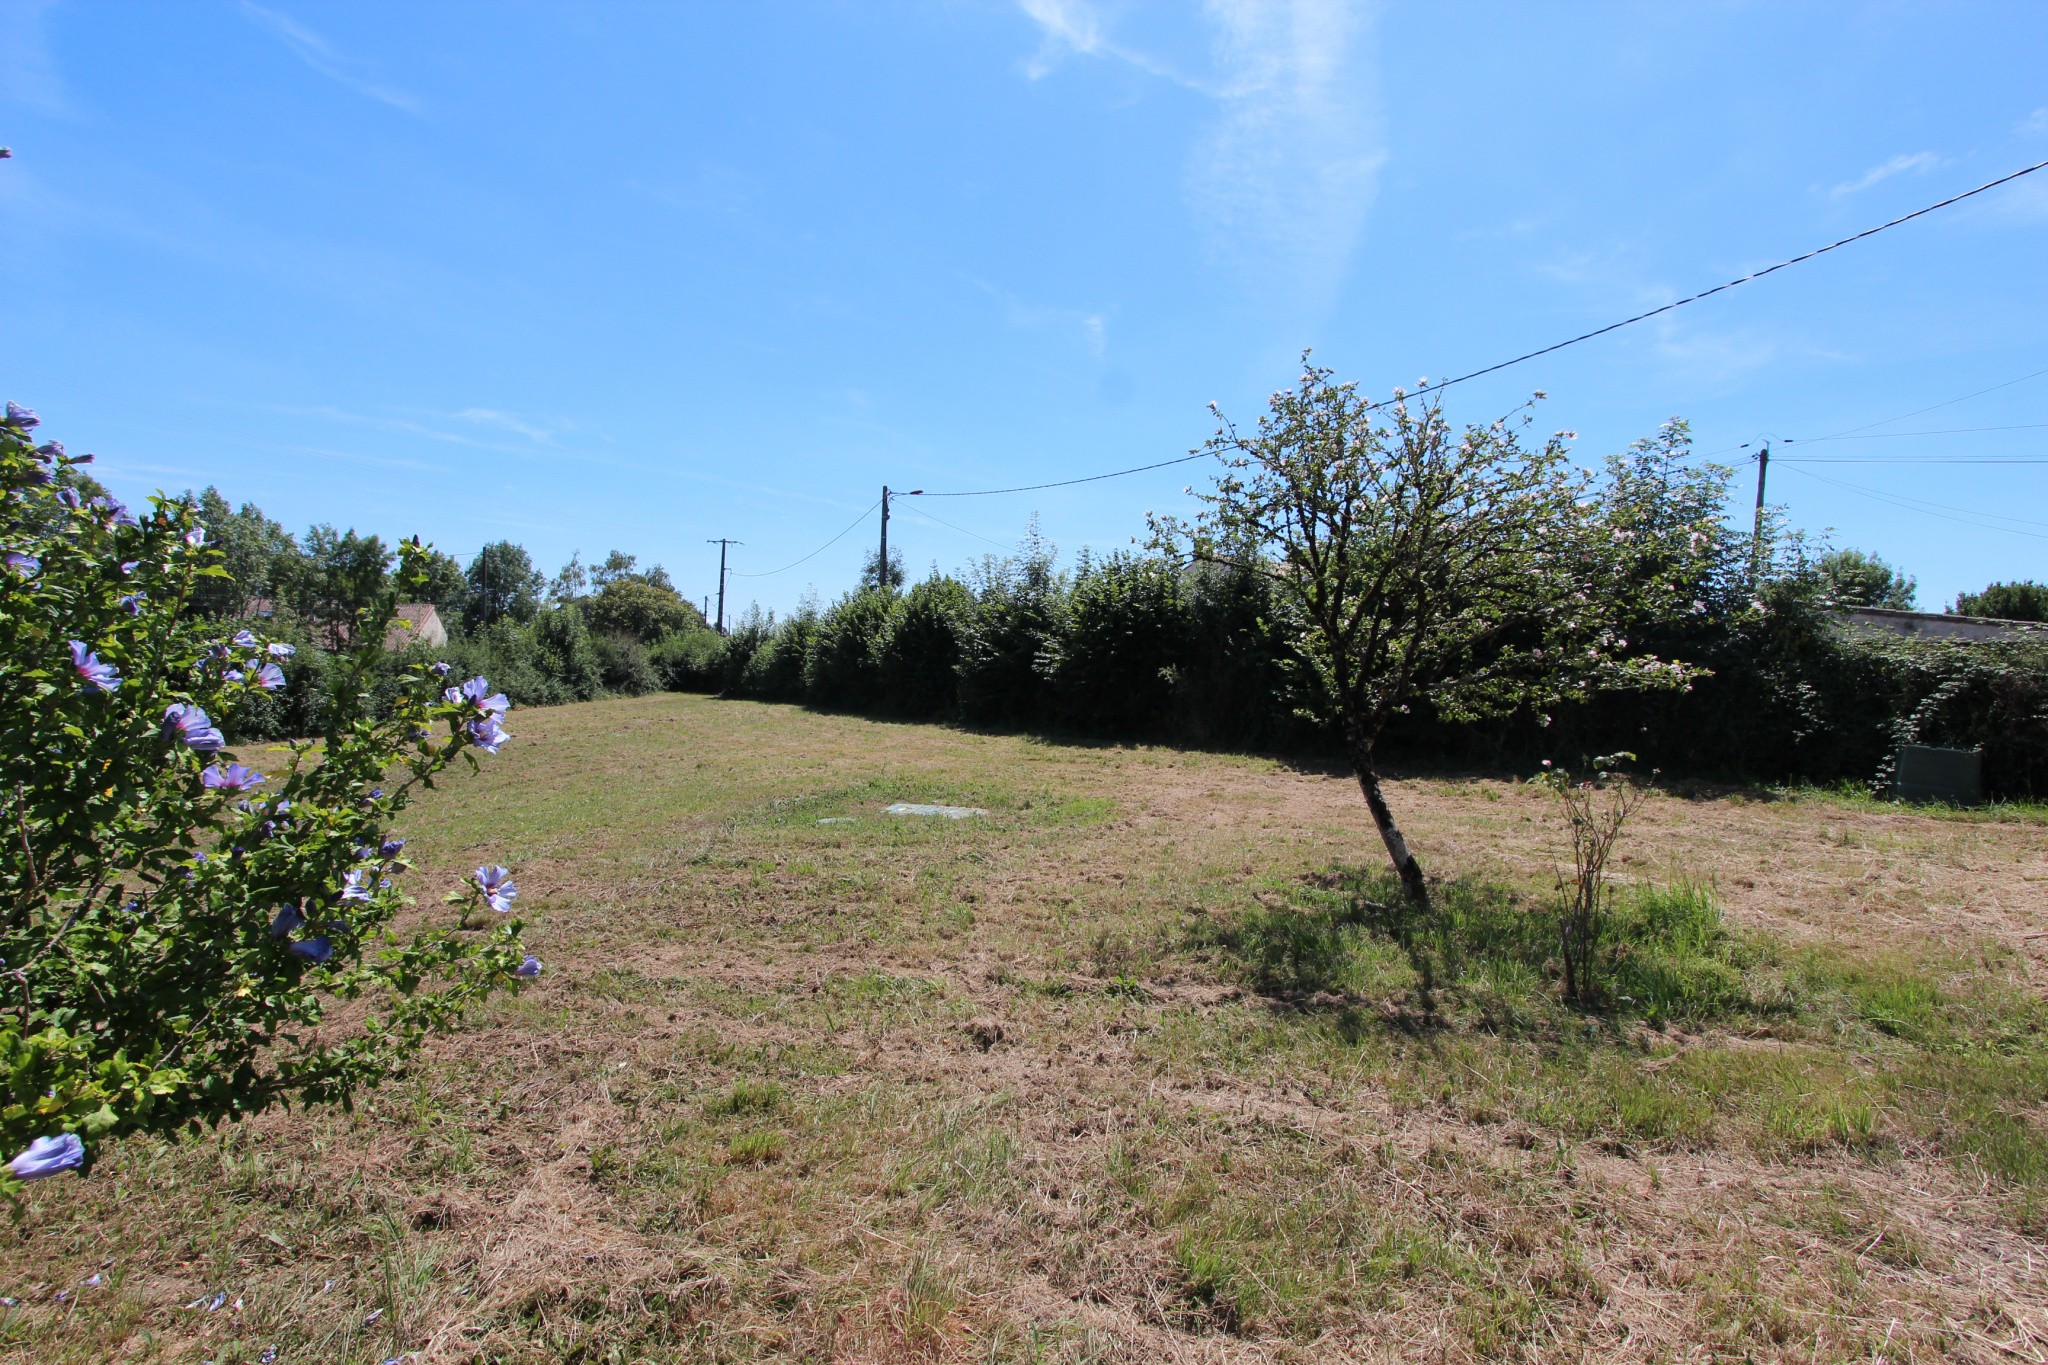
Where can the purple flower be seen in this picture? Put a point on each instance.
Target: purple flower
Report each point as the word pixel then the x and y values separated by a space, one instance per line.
pixel 25 418
pixel 529 968
pixel 187 724
pixel 47 1156
pixel 69 497
pixel 477 691
pixel 132 602
pixel 50 450
pixel 391 848
pixel 116 511
pixel 270 677
pixel 312 949
pixel 496 884
pixel 128 566
pixel 232 675
pixel 356 886
pixel 235 777
pixel 196 537
pixel 487 734
pixel 289 918
pixel 281 651
pixel 28 566
pixel 105 677
pixel 441 669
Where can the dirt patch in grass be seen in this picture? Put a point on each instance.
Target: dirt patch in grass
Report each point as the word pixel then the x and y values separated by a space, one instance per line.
pixel 1007 1088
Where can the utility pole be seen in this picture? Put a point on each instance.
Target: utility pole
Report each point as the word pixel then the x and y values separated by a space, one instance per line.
pixel 1763 466
pixel 721 543
pixel 882 564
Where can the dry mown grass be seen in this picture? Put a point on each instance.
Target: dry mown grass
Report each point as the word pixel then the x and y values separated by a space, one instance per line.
pixel 1119 1072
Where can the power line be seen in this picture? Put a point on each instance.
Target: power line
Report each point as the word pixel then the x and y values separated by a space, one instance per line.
pixel 815 553
pixel 1914 459
pixel 1745 279
pixel 961 529
pixel 1588 336
pixel 1909 505
pixel 1947 403
pixel 1888 435
pixel 1068 483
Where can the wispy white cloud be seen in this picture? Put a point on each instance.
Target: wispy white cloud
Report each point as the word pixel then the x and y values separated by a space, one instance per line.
pixel 1282 180
pixel 504 421
pixel 1898 165
pixel 28 72
pixel 1073 27
pixel 316 52
pixel 2034 124
pixel 1293 164
pixel 1092 327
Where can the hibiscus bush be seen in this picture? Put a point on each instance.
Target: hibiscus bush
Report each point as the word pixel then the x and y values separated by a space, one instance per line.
pixel 184 938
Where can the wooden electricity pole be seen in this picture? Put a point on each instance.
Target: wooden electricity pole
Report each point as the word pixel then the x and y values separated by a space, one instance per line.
pixel 721 544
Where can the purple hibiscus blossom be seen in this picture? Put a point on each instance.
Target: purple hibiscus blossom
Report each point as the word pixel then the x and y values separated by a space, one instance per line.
pixel 279 650
pixel 477 691
pixel 132 602
pixel 187 724
pixel 391 848
pixel 48 1156
pixel 234 778
pixel 312 949
pixel 105 677
pixel 196 537
pixel 497 886
pixel 28 566
pixel 244 640
pixel 116 510
pixel 289 918
pixel 24 418
pixel 269 677
pixel 487 734
pixel 529 968
pixel 356 886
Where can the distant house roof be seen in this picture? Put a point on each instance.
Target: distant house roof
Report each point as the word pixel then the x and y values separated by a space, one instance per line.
pixel 1934 625
pixel 416 623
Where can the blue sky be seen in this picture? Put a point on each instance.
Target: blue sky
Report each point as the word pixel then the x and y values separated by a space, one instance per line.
pixel 637 275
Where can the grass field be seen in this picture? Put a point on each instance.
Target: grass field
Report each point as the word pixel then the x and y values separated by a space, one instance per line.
pixel 1136 1067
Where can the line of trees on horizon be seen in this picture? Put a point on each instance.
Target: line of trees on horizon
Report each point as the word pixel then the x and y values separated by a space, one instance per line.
pixel 1146 645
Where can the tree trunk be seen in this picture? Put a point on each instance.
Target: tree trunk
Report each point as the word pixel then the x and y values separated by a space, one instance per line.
pixel 1410 871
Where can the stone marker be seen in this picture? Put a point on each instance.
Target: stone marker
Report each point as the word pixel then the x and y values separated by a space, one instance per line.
pixel 950 812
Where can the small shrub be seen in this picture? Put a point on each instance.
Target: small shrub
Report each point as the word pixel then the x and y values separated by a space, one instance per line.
pixel 754 1149
pixel 843 668
pixel 747 1097
pixel 689 660
pixel 624 666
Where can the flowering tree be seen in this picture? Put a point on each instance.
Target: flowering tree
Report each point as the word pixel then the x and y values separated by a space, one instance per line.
pixel 175 925
pixel 1460 570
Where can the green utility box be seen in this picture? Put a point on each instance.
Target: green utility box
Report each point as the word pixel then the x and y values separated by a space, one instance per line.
pixel 1926 773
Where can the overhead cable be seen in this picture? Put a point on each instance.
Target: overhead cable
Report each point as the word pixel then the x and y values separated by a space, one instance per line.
pixel 1946 403
pixel 1910 459
pixel 1584 336
pixel 1925 511
pixel 815 553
